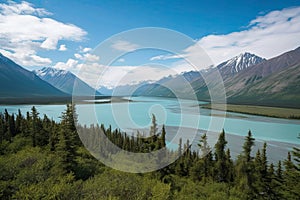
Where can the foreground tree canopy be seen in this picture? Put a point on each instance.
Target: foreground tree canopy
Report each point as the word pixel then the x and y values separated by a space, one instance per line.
pixel 43 159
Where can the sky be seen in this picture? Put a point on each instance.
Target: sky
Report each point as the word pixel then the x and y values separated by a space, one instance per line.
pixel 66 35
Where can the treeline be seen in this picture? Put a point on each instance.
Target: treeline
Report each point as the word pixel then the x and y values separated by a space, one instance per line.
pixel 44 159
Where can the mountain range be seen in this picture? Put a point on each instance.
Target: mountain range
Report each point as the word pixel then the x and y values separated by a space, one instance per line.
pixel 17 82
pixel 187 83
pixel 65 81
pixel 272 82
pixel 248 79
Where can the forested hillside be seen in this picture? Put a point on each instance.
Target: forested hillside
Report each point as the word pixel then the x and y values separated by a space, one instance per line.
pixel 43 159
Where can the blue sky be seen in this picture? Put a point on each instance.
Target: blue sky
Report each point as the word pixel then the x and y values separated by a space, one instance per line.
pixel 62 34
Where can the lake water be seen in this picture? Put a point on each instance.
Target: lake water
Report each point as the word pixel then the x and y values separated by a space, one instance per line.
pixel 129 116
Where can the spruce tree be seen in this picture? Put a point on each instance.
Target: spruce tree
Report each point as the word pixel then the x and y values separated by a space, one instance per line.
pixel 206 158
pixel 245 168
pixel 68 140
pixel 34 125
pixel 220 156
pixel 249 143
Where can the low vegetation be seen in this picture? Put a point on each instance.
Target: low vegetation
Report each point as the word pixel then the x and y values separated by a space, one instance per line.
pixel 288 113
pixel 43 159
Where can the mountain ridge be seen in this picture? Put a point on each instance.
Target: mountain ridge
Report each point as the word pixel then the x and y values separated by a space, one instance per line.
pixel 21 83
pixel 65 81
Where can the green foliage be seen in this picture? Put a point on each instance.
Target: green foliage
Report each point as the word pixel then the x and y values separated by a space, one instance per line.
pixel 43 159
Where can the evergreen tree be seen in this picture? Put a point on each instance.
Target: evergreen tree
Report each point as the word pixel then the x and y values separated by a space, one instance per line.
pixel 249 143
pixel 292 174
pixel 230 166
pixel 220 167
pixel 245 168
pixel 68 142
pixel 279 171
pixel 19 120
pixel 34 125
pixel 153 128
pixel 206 157
pixel 163 137
pixel 180 148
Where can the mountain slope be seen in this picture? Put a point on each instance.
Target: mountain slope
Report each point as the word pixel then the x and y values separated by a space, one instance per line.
pixel 17 82
pixel 239 63
pixel 280 88
pixel 189 84
pixel 273 82
pixel 64 81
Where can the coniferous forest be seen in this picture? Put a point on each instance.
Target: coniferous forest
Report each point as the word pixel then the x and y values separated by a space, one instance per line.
pixel 44 159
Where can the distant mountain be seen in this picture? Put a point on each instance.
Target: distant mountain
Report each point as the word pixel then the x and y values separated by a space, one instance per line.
pixel 238 64
pixel 170 86
pixel 272 82
pixel 17 82
pixel 105 90
pixel 122 90
pixel 65 80
pixel 189 84
pixel 247 78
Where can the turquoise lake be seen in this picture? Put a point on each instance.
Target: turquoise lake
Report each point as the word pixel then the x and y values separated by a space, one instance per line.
pixel 173 112
pixel 183 119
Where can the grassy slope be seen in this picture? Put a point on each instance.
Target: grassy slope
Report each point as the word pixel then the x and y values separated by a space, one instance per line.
pixel 259 110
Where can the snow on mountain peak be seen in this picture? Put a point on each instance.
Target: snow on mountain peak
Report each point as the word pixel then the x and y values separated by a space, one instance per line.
pixel 240 62
pixel 49 71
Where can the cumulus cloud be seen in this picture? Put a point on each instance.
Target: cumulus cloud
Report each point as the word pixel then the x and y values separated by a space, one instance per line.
pixel 22 8
pixel 91 57
pixel 122 45
pixel 78 56
pixel 62 47
pixel 70 65
pixel 85 50
pixel 24 30
pixel 98 75
pixel 267 36
pixel 87 57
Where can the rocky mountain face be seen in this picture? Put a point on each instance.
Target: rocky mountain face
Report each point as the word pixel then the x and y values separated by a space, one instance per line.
pixel 17 82
pixel 247 78
pixel 65 81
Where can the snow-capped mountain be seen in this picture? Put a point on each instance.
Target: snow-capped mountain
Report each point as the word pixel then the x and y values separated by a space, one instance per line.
pixel 17 82
pixel 65 80
pixel 186 80
pixel 239 63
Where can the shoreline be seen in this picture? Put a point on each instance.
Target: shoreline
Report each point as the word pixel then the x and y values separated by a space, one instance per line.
pixel 274 112
pixel 276 150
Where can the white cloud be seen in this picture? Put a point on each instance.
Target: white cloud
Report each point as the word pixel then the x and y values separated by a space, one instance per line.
pixel 91 57
pixel 97 75
pixel 266 36
pixel 24 31
pixel 70 65
pixel 85 50
pixel 111 76
pixel 166 57
pixel 22 8
pixel 121 60
pixel 122 45
pixel 62 47
pixel 78 56
pixel 87 57
pixel 27 58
